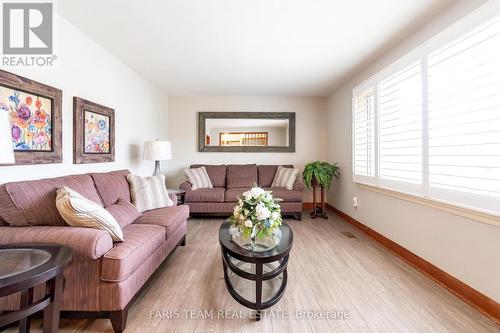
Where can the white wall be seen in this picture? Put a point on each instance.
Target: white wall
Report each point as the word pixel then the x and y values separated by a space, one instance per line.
pixel 87 70
pixel 467 249
pixel 183 129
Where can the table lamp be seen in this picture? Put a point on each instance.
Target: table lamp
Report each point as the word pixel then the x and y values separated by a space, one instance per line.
pixel 6 150
pixel 157 151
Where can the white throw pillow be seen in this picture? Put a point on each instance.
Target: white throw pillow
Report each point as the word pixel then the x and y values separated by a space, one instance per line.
pixel 149 192
pixel 198 177
pixel 79 211
pixel 285 177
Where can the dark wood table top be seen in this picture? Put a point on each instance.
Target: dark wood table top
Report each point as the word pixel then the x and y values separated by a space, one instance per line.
pixel 23 266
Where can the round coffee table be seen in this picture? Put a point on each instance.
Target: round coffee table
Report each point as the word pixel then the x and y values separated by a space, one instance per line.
pixel 24 266
pixel 256 280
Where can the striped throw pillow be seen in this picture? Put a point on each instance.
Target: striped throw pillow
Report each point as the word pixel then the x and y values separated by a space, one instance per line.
pixel 79 211
pixel 148 192
pixel 198 177
pixel 285 177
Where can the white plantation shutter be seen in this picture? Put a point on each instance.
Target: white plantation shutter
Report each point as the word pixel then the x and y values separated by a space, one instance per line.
pixel 400 112
pixel 464 119
pixel 429 124
pixel 364 135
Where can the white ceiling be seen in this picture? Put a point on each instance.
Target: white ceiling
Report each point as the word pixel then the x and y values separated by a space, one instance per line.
pixel 251 47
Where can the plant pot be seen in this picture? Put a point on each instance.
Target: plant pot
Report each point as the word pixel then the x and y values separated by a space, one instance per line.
pixel 314 181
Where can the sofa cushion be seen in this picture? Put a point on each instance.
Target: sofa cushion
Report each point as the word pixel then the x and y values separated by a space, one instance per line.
pixel 140 242
pixel 112 186
pixel 232 194
pixel 36 199
pixel 149 192
pixel 169 217
pixel 216 173
pixel 198 178
pixel 266 174
pixel 9 213
pixel 124 212
pixel 286 195
pixel 285 177
pixel 78 211
pixel 215 194
pixel 244 175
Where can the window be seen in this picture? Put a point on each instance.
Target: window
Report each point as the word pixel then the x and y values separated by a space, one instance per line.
pixel 400 117
pixel 431 127
pixel 364 134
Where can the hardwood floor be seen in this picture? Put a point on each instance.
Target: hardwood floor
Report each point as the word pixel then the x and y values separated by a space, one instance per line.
pixel 329 270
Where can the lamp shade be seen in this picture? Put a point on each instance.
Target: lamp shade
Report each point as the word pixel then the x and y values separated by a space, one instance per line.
pixel 6 150
pixel 157 151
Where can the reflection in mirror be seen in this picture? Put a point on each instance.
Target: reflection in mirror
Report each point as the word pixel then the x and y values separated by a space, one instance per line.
pixel 246 132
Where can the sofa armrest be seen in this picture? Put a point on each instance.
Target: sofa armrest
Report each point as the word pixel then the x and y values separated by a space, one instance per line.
pixel 298 185
pixel 87 242
pixel 173 197
pixel 186 186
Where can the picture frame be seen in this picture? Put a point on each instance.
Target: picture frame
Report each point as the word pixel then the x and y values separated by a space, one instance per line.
pixel 93 131
pixel 35 112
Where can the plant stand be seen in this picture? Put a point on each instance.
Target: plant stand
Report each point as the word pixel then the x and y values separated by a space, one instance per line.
pixel 318 209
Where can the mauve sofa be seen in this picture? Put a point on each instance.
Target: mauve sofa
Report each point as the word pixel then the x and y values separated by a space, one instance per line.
pixel 103 277
pixel 230 181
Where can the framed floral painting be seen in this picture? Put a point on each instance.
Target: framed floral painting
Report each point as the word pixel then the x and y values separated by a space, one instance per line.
pixel 35 118
pixel 94 130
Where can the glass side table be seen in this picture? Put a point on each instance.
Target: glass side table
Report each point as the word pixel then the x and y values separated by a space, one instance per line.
pixel 256 280
pixel 24 266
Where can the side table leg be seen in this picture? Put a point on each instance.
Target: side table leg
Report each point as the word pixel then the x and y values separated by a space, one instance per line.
pixel 26 299
pixel 51 313
pixel 323 211
pixel 258 290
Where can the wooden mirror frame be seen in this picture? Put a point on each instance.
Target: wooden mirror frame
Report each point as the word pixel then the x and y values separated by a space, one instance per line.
pixel 203 116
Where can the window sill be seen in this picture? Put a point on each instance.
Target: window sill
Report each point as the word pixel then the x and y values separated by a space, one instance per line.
pixel 473 214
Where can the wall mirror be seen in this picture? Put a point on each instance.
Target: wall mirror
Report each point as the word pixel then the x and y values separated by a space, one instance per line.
pixel 246 131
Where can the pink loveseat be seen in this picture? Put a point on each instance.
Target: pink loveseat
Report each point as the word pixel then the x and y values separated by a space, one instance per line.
pixel 230 181
pixel 103 277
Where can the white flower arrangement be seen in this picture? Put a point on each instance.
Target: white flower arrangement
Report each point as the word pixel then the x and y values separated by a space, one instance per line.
pixel 257 213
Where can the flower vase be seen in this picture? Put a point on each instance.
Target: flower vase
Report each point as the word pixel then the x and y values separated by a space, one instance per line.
pixel 255 243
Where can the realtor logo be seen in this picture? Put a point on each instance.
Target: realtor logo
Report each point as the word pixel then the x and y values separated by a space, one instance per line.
pixel 27 28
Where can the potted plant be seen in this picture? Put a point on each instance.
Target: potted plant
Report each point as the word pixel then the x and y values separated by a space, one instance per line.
pixel 320 173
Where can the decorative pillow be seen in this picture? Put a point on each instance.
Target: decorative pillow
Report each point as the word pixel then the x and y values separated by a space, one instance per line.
pixel 285 177
pixel 216 173
pixel 124 212
pixel 241 175
pixel 149 192
pixel 198 177
pixel 79 211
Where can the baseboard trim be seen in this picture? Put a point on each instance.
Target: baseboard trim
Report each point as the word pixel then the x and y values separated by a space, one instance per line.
pixel 471 296
pixel 307 205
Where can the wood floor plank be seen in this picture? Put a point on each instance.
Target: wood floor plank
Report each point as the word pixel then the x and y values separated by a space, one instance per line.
pixel 329 270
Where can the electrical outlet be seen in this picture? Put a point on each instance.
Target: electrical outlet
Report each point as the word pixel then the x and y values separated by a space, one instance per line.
pixel 355 202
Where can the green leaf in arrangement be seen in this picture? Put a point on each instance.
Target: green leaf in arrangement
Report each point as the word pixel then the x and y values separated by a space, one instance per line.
pixel 247 232
pixel 261 233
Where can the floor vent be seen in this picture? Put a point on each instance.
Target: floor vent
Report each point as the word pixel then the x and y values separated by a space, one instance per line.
pixel 348 234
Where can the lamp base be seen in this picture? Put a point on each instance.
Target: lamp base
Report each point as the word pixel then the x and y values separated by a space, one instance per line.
pixel 157 171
